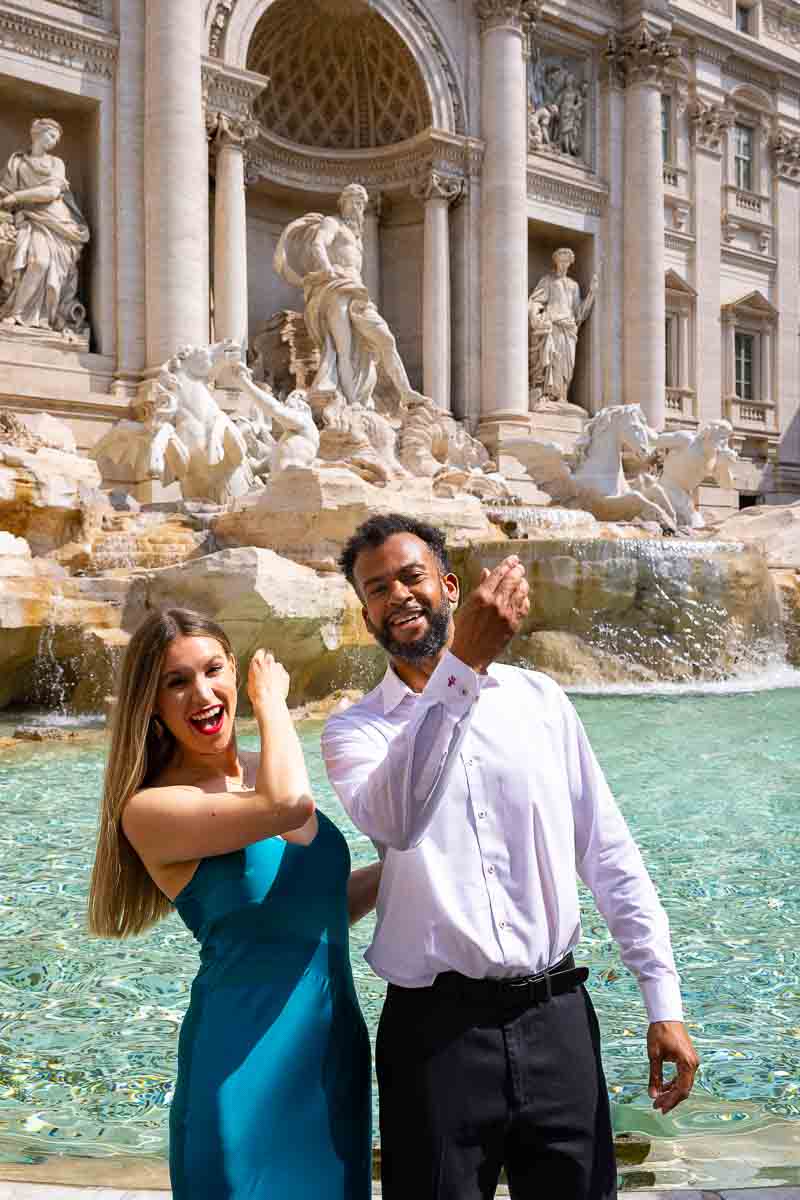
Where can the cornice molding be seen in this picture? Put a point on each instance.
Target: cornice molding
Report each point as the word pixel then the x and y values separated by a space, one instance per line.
pixel 782 22
pixel 230 92
pixel 94 8
pixel 378 170
pixel 552 189
pixel 64 45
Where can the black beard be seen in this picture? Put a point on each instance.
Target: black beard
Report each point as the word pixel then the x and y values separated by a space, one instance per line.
pixel 427 646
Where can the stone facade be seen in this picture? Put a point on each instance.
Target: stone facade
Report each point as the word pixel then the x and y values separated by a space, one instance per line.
pixel 657 140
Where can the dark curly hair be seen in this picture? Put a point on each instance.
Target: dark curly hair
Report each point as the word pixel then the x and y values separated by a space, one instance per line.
pixel 374 532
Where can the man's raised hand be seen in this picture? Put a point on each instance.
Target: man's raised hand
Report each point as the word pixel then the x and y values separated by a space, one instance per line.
pixel 491 614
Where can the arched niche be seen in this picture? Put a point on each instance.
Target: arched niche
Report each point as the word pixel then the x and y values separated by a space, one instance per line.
pixel 231 25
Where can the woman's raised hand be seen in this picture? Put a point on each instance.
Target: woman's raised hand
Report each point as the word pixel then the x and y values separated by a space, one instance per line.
pixel 267 679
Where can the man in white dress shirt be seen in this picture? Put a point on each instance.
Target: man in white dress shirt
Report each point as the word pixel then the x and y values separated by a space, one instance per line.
pixel 478 783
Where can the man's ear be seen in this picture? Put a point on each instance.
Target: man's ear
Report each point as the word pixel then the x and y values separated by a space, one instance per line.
pixel 452 587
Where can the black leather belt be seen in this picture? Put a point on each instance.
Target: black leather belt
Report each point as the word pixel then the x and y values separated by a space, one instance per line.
pixel 562 977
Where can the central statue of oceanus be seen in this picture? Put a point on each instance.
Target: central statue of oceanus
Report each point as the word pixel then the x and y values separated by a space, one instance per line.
pixel 324 256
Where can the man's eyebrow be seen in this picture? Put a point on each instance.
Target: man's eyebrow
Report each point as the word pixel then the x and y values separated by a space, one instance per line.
pixel 386 574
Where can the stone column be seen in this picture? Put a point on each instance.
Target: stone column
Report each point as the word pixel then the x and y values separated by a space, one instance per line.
pixel 130 301
pixel 465 262
pixel 709 124
pixel 176 170
pixel 437 192
pixel 642 56
pixel 371 272
pixel 786 384
pixel 230 227
pixel 612 168
pixel 505 27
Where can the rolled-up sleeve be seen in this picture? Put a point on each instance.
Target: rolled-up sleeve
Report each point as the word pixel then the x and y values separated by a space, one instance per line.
pixel 609 863
pixel 392 790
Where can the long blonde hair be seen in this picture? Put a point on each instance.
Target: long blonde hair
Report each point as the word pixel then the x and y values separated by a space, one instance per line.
pixel 123 899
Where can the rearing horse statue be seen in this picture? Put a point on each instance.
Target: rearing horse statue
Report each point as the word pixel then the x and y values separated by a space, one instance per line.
pixel 592 477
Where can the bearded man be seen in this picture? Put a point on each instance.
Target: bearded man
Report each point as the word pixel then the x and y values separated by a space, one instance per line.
pixel 324 256
pixel 479 786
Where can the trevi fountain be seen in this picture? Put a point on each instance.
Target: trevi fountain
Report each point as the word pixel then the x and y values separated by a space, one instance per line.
pixel 226 476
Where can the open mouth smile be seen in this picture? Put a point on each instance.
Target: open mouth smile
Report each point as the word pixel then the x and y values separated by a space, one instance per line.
pixel 406 619
pixel 209 721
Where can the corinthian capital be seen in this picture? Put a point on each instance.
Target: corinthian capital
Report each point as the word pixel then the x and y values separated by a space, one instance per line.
pixel 226 130
pixel 433 185
pixel 785 149
pixel 708 124
pixel 518 15
pixel 643 56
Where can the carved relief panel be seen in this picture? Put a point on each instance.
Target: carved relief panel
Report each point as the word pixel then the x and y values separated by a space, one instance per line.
pixel 561 102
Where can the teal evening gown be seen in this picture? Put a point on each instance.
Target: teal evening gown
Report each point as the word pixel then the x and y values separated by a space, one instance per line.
pixel 272 1100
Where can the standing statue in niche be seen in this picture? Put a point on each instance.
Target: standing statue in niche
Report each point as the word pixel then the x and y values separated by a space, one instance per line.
pixel 324 256
pixel 39 252
pixel 556 312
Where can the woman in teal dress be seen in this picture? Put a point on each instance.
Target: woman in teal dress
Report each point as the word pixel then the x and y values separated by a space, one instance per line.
pixel 273 1092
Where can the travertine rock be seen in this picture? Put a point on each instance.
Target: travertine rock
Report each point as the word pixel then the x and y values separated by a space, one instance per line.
pixel 311 622
pixel 307 515
pixel 50 430
pixel 788 585
pixel 775 528
pixel 45 495
pixel 571 660
pixel 59 639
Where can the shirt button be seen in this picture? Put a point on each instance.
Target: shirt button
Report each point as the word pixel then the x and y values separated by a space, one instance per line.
pixel 481 815
pixel 491 870
pixel 502 924
pixel 464 692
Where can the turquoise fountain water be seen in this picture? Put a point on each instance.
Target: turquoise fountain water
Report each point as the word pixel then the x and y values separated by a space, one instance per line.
pixel 710 784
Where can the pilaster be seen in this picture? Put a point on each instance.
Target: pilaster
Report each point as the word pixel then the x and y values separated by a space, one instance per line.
pixel 709 124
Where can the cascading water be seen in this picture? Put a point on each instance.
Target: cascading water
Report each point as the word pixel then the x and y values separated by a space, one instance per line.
pixel 662 609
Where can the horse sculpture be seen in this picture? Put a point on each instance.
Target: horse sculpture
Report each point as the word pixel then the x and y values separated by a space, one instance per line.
pixel 183 434
pixel 592 478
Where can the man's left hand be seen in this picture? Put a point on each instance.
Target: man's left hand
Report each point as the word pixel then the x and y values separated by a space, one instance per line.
pixel 668 1041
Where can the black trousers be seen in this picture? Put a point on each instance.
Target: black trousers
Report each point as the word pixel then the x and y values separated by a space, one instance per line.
pixel 468 1086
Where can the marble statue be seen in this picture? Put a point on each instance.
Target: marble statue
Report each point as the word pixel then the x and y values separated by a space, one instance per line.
pixel 324 256
pixel 556 108
pixel 689 459
pixel 539 121
pixel 298 445
pixel 592 478
pixel 571 107
pixel 256 429
pixel 435 445
pixel 41 239
pixel 556 312
pixel 184 435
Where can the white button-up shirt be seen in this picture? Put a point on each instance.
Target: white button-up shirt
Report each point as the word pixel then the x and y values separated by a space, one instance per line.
pixel 486 798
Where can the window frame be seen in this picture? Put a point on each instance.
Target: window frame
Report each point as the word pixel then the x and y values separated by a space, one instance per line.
pixel 750 161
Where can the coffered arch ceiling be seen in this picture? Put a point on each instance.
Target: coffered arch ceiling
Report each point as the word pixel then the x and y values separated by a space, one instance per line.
pixel 341 77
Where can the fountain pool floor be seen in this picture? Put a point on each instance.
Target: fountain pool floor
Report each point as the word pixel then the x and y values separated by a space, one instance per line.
pixel 710 785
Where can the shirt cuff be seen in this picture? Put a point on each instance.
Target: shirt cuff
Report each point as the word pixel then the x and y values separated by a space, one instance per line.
pixel 453 684
pixel 662 998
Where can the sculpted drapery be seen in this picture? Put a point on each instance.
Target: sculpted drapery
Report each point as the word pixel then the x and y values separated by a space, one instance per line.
pixel 43 239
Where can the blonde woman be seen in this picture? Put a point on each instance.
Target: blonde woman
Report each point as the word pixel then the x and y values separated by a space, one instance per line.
pixel 273 1089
